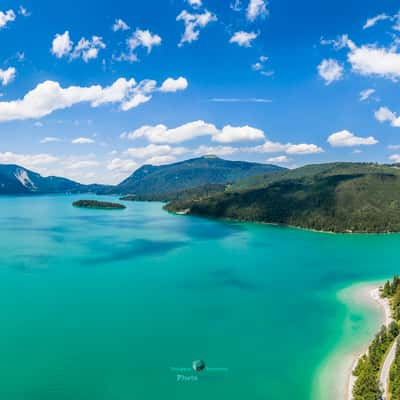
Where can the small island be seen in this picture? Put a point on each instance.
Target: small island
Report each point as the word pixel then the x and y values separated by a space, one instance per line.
pixel 98 205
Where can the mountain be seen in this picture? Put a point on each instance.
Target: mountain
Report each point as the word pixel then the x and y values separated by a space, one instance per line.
pixel 18 180
pixel 150 180
pixel 337 197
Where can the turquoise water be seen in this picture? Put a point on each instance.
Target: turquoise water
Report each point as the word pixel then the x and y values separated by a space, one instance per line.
pixel 102 304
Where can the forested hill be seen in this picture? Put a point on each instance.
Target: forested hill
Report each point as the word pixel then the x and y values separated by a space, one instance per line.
pixel 338 197
pixel 156 180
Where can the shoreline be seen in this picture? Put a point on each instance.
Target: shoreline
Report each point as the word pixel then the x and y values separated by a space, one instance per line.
pixel 364 314
pixel 385 306
pixel 186 212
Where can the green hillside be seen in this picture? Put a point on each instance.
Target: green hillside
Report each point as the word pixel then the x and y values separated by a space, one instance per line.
pixel 156 181
pixel 339 197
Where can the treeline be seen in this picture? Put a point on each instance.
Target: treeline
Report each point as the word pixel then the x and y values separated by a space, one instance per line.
pixel 366 386
pixel 394 377
pixel 391 290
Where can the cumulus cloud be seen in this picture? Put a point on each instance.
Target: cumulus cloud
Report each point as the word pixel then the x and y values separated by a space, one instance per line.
pixel 195 3
pixel 278 159
pixel 339 43
pixel 384 114
pixel 87 49
pixel 6 17
pixel 289 148
pixel 366 94
pixel 231 134
pixel 122 165
pixel 162 134
pixel 49 96
pixel 120 25
pixel 82 140
pixel 243 39
pixel 173 85
pixel 219 151
pixel 139 38
pixel 348 139
pixel 371 60
pixel 330 70
pixel 395 158
pixel 193 24
pixel 374 20
pixel 27 160
pixel 256 9
pixel 50 139
pixel 154 150
pixel 24 11
pixel 7 75
pixel 62 44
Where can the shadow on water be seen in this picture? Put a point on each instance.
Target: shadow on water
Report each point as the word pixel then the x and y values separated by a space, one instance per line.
pixel 131 250
pixel 222 278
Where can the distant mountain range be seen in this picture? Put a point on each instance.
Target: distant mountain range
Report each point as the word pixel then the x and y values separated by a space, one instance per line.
pixel 152 182
pixel 18 180
pixel 337 197
pixel 162 181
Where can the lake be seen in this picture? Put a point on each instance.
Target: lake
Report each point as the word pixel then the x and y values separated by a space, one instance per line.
pixel 117 304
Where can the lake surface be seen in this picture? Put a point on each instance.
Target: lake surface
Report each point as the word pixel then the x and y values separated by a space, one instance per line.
pixel 100 304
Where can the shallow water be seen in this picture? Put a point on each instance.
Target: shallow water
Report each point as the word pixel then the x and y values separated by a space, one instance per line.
pixel 99 304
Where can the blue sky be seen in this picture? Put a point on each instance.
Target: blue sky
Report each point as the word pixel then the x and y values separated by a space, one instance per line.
pixel 93 91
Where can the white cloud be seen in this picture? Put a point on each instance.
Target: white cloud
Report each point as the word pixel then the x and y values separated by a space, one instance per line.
pixel 88 49
pixel 195 3
pixel 159 160
pixel 339 43
pixel 370 60
pixel 289 148
pixel 365 94
pixel 384 114
pixel 231 134
pixel 278 159
pixel 395 158
pixel 219 151
pixel 50 139
pixel 27 160
pixel 120 25
pixel 243 39
pixel 7 75
pixel 83 164
pixel 256 8
pixel 374 20
pixel 62 45
pixel 141 38
pixel 193 23
pixel 24 11
pixel 348 139
pixel 173 85
pixel 82 140
pixel 122 165
pixel 330 70
pixel 154 150
pixel 303 148
pixel 162 134
pixel 6 17
pixel 49 96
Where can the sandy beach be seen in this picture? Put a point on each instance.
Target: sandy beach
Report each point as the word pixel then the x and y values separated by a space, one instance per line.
pixel 335 379
pixel 386 312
